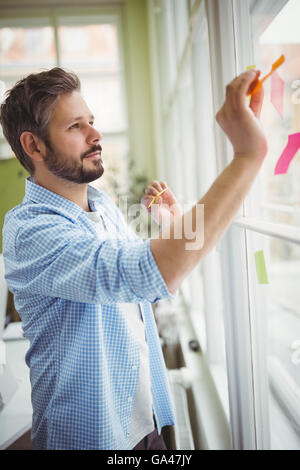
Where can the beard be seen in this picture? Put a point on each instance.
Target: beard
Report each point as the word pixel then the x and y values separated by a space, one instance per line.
pixel 60 165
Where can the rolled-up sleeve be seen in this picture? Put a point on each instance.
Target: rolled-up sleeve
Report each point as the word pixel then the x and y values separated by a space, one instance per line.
pixel 60 260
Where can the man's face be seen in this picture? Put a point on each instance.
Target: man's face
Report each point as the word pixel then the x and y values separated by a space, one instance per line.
pixel 73 151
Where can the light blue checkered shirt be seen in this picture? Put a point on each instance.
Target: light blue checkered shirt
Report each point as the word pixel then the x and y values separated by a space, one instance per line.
pixel 67 283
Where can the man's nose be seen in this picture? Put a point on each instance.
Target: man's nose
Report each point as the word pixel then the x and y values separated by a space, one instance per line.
pixel 94 136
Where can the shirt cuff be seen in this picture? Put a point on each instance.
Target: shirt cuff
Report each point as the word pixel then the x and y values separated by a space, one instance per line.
pixel 157 283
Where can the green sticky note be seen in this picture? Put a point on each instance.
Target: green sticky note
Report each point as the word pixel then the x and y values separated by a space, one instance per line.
pixel 250 67
pixel 261 270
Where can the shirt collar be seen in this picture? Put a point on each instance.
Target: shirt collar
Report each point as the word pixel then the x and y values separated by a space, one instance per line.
pixel 39 194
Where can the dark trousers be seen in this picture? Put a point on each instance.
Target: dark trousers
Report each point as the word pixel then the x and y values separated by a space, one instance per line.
pixel 152 441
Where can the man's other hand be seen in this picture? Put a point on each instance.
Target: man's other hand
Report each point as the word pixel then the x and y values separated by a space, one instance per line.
pixel 165 207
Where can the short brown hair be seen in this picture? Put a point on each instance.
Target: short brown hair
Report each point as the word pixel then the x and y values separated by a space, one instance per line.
pixel 28 107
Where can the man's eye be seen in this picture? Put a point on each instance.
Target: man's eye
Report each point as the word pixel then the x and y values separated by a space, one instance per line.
pixel 74 126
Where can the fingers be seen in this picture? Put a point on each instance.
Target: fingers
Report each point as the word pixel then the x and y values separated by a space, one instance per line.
pixel 155 187
pixel 152 193
pixel 237 90
pixel 149 202
pixel 254 83
pixel 257 102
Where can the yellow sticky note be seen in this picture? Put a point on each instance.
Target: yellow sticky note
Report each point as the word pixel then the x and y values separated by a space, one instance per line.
pixel 250 67
pixel 261 270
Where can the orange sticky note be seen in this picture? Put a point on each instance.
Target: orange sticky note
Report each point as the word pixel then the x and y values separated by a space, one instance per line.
pixel 275 66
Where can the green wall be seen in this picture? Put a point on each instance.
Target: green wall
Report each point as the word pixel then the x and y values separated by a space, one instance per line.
pixel 12 187
pixel 138 84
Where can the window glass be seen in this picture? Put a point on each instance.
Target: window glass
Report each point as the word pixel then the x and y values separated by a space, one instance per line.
pixel 165 43
pixel 92 52
pixel 205 162
pixel 188 118
pixel 275 32
pixel 180 24
pixel 172 146
pixel 103 95
pixel 186 133
pixel 89 48
pixel 280 201
pixel 282 314
pixel 25 50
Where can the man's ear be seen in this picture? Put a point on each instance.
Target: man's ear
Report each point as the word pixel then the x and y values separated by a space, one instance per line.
pixel 32 145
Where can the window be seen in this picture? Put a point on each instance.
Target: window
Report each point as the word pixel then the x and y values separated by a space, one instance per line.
pixel 179 33
pixel 88 44
pixel 264 316
pixel 280 194
pixel 280 206
pixel 25 49
pixel 257 325
pixel 210 325
pixel 283 344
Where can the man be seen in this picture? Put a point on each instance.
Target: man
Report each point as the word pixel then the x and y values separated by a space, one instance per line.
pixel 83 283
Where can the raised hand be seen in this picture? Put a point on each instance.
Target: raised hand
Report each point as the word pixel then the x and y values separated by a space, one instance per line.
pixel 240 120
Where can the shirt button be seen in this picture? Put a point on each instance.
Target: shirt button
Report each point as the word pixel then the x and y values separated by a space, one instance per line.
pixel 129 399
pixel 134 367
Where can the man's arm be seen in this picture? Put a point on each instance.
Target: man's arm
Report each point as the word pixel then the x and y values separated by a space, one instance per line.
pixel 48 255
pixel 241 124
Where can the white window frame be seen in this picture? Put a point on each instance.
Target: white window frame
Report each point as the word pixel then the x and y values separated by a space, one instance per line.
pixel 233 245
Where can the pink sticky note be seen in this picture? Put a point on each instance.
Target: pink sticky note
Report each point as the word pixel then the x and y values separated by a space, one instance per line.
pixel 288 154
pixel 277 92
